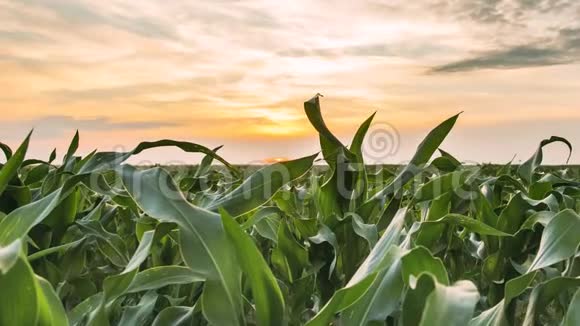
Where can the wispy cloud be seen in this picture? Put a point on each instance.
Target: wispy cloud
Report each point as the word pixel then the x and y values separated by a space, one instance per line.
pixel 80 13
pixel 564 49
pixel 58 125
pixel 241 69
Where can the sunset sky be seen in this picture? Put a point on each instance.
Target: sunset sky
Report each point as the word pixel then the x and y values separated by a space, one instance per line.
pixel 237 73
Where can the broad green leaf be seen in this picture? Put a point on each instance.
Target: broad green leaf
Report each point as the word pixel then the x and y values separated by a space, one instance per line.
pixel 494 316
pixel 356 148
pixel 262 185
pixel 330 200
pixel 110 244
pixel 265 290
pixel 385 253
pixel 419 261
pixel 415 299
pixel 449 182
pixel 72 149
pixel 326 235
pixel 186 147
pixel 174 316
pixel 139 314
pixel 375 259
pixel 329 143
pixel 19 300
pixel 541 217
pixel 203 242
pixel 546 292
pixel 349 295
pixel 64 213
pixel 573 315
pixel 9 256
pixel 52 313
pixel 261 214
pixel 10 169
pixel 424 152
pixel 450 305
pixel 17 224
pixel 117 285
pixel 37 174
pixel 513 215
pixel 357 141
pixel 161 276
pixel 527 169
pixel 268 227
pixel 80 311
pixel 366 231
pixel 439 207
pixel 470 224
pixel 289 257
pixel 380 300
pixel 444 164
pixel 205 165
pixel 560 240
pixel 6 150
pixel 450 157
pixel 53 250
pixel 104 161
pixel 518 285
pixel 52 156
pixel 430 231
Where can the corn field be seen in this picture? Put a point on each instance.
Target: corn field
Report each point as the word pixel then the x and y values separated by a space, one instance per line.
pixel 96 241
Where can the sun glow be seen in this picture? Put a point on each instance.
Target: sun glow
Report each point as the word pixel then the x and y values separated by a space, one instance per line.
pixel 272 160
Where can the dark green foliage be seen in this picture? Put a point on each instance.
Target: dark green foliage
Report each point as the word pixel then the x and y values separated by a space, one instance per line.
pixel 95 241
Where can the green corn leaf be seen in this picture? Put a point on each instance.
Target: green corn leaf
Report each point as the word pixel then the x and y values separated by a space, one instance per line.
pixel 546 292
pixel 329 142
pixel 10 170
pixel 560 240
pixel 424 152
pixel 204 245
pixel 137 315
pixel 385 253
pixel 72 149
pixel 6 150
pixel 265 290
pixel 450 305
pixel 326 235
pixel 174 316
pixel 19 300
pixel 449 182
pixel 51 311
pixel 450 157
pixel 415 299
pixel 380 300
pixel 573 315
pixel 186 147
pixel 527 169
pixel 262 185
pixel 419 261
pixel 357 141
pixel 159 277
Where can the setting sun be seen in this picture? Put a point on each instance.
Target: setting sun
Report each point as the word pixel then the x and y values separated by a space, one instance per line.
pixel 271 160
